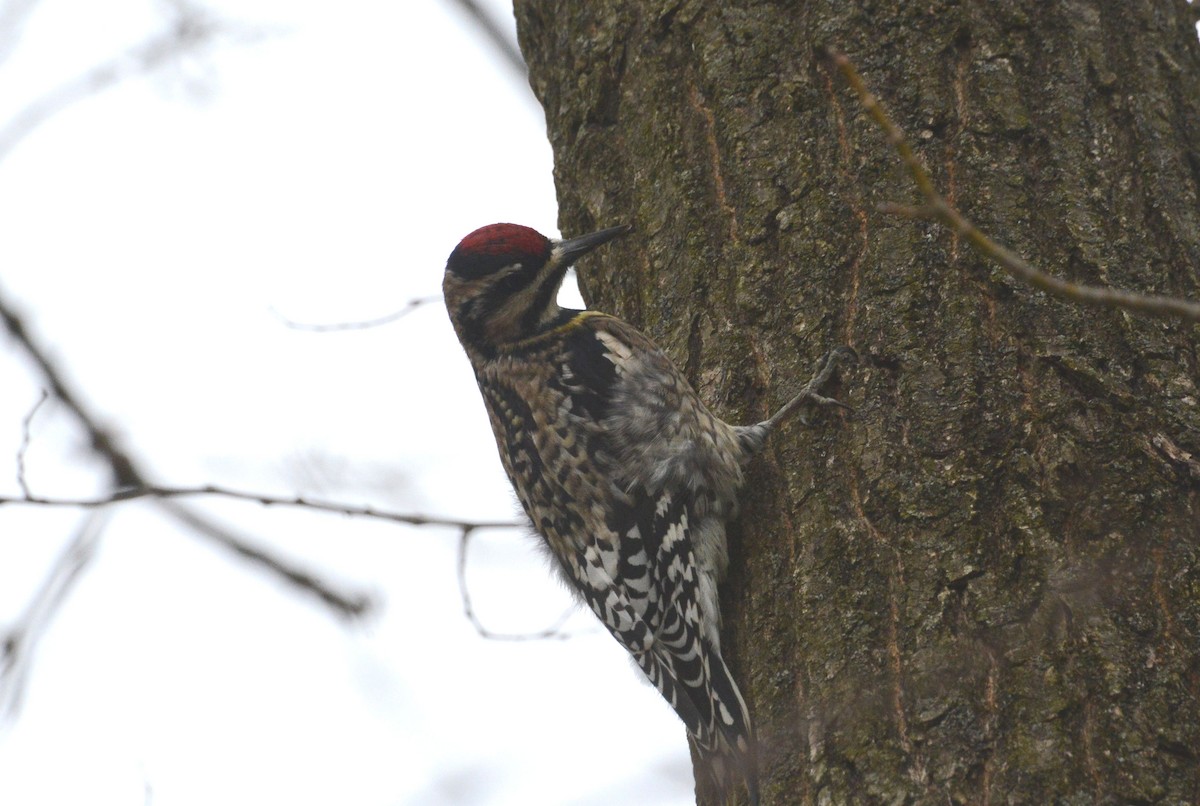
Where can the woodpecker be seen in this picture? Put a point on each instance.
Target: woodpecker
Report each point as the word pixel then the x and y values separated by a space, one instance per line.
pixel 622 470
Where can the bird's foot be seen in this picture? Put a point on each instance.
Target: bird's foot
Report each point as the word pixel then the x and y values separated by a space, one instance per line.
pixel 811 393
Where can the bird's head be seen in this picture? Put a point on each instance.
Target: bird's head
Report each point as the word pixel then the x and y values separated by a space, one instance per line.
pixel 502 280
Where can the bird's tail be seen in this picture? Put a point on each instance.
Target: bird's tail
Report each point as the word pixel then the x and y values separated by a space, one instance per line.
pixel 700 688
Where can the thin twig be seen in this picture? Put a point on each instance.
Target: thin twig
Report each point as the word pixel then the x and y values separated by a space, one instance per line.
pixel 164 493
pixel 553 632
pixel 409 307
pixel 937 209
pixel 25 436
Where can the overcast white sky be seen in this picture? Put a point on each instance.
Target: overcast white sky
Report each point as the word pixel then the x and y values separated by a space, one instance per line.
pixel 149 237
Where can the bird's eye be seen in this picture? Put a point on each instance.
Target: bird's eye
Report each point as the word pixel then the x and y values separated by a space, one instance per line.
pixel 476 266
pixel 511 279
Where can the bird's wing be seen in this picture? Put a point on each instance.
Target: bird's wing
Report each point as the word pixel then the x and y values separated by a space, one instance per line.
pixel 637 412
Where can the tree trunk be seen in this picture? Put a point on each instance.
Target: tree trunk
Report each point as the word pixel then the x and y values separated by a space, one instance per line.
pixel 984 586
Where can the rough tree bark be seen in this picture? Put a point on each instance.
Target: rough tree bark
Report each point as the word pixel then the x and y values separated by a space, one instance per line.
pixel 984 587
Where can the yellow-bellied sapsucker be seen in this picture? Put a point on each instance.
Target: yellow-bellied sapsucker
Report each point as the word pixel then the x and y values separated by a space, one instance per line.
pixel 620 467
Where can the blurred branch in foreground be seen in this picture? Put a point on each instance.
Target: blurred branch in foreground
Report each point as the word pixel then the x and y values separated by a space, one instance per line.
pixel 191 28
pixel 17 642
pixel 127 474
pixel 504 44
pixel 12 22
pixel 938 210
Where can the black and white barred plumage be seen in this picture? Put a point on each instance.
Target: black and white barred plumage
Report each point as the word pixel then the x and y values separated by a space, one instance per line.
pixel 621 469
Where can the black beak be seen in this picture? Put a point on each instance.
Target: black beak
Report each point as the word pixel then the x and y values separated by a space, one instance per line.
pixel 575 248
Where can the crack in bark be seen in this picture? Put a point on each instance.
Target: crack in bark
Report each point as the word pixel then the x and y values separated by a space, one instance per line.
pixel 989 703
pixel 895 580
pixel 1160 597
pixel 856 205
pixel 962 115
pixel 714 154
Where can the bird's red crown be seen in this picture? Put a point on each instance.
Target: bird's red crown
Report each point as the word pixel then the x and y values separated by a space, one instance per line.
pixel 500 244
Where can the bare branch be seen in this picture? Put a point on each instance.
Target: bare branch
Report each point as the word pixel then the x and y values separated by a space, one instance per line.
pixel 504 45
pixel 409 307
pixel 164 493
pixel 553 632
pixel 25 430
pixel 102 442
pixel 126 475
pixel 19 641
pixel 347 605
pixel 937 209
